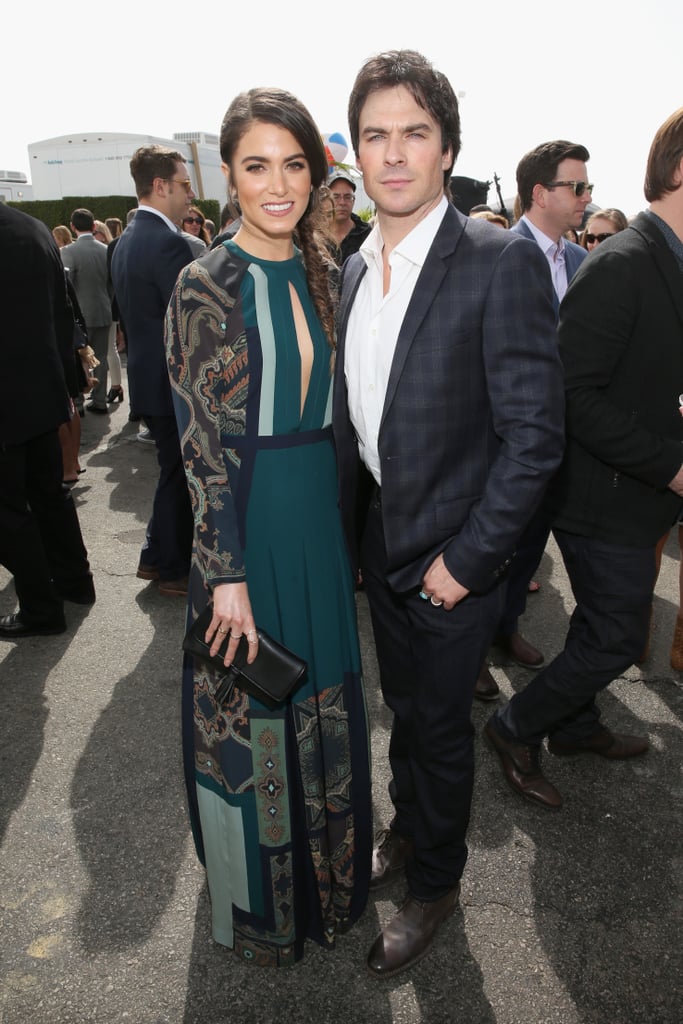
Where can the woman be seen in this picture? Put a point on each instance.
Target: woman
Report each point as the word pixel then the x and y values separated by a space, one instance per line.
pixel 62 235
pixel 601 225
pixel 194 222
pixel 280 800
pixel 102 233
pixel 115 225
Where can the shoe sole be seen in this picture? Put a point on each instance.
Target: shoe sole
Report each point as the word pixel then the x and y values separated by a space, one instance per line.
pixel 526 664
pixel 147 574
pixel 165 592
pixel 32 632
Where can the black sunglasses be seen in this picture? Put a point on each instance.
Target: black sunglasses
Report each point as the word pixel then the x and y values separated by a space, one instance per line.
pixel 577 187
pixel 591 238
pixel 192 220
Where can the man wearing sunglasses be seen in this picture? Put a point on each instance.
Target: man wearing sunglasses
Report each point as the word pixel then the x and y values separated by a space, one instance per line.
pixel 620 485
pixel 148 257
pixel 553 191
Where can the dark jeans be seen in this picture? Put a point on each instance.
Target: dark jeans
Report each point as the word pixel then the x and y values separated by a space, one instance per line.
pixel 429 660
pixel 40 536
pixel 612 586
pixel 168 544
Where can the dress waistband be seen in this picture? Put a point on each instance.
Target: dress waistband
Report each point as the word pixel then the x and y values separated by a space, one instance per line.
pixel 280 440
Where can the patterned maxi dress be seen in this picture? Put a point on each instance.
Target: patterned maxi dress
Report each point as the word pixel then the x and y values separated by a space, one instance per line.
pixel 279 800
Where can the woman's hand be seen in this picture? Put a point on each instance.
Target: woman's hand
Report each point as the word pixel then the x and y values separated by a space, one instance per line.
pixel 232 614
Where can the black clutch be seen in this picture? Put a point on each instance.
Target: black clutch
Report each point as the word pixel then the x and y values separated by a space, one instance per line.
pixel 271 677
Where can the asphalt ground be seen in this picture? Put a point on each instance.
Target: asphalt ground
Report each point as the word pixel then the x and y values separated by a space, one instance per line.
pixel 565 918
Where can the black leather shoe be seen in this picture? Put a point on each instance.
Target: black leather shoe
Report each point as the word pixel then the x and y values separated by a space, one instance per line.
pixel 389 857
pixel 612 745
pixel 486 687
pixel 522 768
pixel 80 592
pixel 408 936
pixel 520 650
pixel 13 628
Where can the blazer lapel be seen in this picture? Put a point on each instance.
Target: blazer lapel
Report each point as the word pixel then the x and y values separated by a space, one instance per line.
pixel 351 277
pixel 426 290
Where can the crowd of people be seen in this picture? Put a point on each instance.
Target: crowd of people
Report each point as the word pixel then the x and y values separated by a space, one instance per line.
pixel 416 403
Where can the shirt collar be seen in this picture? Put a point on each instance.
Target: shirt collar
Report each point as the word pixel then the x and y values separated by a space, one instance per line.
pixel 546 244
pixel 158 213
pixel 416 244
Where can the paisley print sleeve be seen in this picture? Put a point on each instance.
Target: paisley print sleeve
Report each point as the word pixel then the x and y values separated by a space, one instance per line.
pixel 206 348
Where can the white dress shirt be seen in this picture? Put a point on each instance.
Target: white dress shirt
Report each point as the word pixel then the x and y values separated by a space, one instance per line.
pixel 374 324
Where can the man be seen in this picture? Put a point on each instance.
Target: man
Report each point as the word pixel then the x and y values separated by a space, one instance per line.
pixel 40 537
pixel 449 385
pixel 145 265
pixel 620 485
pixel 553 191
pixel 86 261
pixel 348 230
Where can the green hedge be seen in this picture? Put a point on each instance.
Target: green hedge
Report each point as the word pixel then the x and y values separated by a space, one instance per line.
pixel 58 211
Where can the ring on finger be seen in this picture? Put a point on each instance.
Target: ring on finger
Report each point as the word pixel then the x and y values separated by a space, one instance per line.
pixel 221 630
pixel 437 604
pixel 237 636
pixel 425 597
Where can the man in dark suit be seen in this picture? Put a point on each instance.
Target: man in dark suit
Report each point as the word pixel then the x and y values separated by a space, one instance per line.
pixel 553 191
pixel 145 265
pixel 40 537
pixel 449 385
pixel 86 261
pixel 620 485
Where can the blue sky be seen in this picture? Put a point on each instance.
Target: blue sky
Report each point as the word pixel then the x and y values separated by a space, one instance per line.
pixel 604 73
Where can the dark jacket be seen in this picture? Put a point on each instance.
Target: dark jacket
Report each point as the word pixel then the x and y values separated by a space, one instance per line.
pixel 36 343
pixel 145 265
pixel 621 342
pixel 355 238
pixel 472 426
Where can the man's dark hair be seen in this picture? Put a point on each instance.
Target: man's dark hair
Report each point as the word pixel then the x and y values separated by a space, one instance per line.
pixel 82 219
pixel 539 166
pixel 664 159
pixel 150 162
pixel 430 89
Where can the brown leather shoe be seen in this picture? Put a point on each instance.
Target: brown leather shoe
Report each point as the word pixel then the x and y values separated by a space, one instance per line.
pixel 147 572
pixel 173 588
pixel 389 857
pixel 486 687
pixel 520 650
pixel 612 745
pixel 522 768
pixel 408 936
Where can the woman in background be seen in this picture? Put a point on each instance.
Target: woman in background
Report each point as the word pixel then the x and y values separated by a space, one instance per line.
pixel 279 800
pixel 102 233
pixel 601 225
pixel 62 235
pixel 194 222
